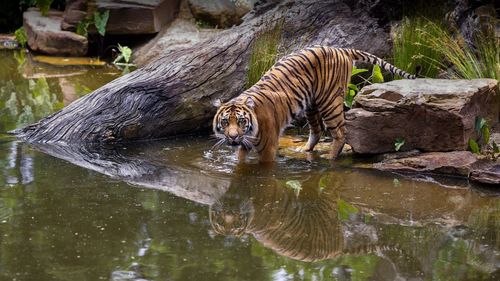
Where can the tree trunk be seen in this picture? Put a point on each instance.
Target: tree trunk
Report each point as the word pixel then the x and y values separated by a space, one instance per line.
pixel 173 95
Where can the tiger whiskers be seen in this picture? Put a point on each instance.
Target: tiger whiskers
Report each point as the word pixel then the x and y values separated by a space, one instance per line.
pixel 247 142
pixel 222 140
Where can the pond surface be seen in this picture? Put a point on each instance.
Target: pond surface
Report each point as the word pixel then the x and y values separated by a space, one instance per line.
pixel 175 210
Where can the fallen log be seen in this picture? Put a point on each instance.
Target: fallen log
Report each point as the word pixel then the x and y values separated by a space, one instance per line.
pixel 173 95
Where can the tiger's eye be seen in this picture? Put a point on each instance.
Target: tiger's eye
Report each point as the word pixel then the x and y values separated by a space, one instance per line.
pixel 224 122
pixel 241 121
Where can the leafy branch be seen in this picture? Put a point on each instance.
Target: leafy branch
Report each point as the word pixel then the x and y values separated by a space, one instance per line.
pixel 353 89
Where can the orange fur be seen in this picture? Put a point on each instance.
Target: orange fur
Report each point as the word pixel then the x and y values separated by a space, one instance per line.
pixel 313 82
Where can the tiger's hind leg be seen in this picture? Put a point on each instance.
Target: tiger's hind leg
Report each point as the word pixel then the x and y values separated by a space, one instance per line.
pixel 314 120
pixel 335 124
pixel 338 135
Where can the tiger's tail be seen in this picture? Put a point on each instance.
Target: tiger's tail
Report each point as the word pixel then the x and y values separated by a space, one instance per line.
pixel 358 55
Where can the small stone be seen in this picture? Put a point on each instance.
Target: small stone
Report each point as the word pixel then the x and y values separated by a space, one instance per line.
pixel 455 163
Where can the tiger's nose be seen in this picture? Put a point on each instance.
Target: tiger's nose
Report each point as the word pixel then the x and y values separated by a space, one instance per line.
pixel 233 137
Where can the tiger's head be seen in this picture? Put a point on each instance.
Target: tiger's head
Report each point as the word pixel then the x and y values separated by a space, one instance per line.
pixel 235 122
pixel 231 217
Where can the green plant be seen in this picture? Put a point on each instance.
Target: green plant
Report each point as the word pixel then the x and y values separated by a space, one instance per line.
pixel 44 6
pixel 100 21
pixel 21 37
pixel 264 55
pixel 124 55
pixel 353 89
pixel 82 27
pixel 483 145
pixel 479 61
pixel 411 49
pixel 398 143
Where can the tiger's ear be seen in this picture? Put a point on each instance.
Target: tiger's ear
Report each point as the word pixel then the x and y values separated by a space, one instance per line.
pixel 249 102
pixel 217 103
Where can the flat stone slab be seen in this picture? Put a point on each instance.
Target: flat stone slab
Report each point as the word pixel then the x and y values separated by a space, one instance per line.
pixel 487 173
pixel 138 16
pixel 455 163
pixel 45 35
pixel 429 114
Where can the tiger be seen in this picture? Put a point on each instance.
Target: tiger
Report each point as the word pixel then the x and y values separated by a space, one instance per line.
pixel 303 226
pixel 310 82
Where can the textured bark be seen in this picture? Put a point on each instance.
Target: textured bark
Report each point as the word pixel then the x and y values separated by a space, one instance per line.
pixel 173 95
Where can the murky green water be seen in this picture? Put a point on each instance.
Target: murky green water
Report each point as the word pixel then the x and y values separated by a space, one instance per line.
pixel 174 210
pixel 31 90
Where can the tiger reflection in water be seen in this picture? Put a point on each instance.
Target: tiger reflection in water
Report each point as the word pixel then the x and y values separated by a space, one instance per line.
pixel 305 227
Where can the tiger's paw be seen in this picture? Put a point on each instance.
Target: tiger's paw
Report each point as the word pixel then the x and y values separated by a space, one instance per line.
pixel 305 148
pixel 330 156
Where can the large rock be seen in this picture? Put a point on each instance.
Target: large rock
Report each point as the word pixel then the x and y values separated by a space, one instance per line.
pixel 221 13
pixel 183 32
pixel 45 35
pixel 429 114
pixel 137 16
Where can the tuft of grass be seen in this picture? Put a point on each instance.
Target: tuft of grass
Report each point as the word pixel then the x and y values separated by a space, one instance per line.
pixel 264 55
pixel 469 62
pixel 411 50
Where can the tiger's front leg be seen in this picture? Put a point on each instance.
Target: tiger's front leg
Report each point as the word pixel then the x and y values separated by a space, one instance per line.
pixel 268 152
pixel 313 119
pixel 242 153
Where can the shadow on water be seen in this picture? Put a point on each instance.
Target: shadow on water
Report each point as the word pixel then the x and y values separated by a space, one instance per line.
pixel 348 222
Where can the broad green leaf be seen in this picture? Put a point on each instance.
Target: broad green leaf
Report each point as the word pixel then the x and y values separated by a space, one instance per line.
pixel 356 71
pixel 480 122
pixel 399 143
pixel 349 98
pixel 345 210
pixel 377 76
pixel 474 147
pixel 485 131
pixel 100 21
pixel 353 87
